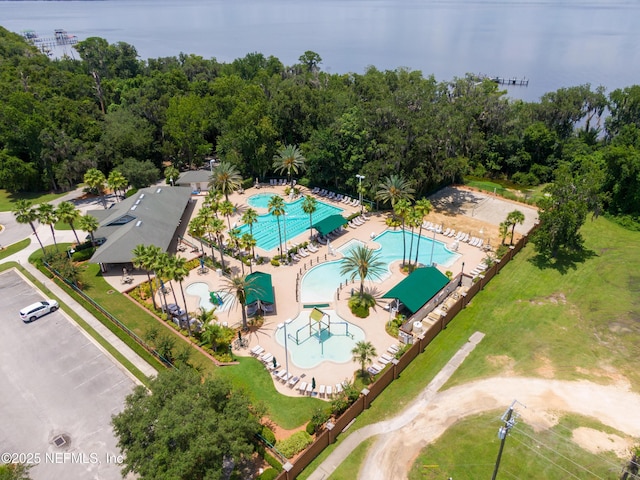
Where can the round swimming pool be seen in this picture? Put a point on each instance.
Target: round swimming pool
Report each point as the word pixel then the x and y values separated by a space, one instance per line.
pixel 311 343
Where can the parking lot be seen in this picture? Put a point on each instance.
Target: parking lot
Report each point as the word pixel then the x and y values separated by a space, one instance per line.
pixel 58 392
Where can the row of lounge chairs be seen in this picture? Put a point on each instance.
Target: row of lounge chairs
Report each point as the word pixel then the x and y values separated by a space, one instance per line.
pixel 326 391
pixel 323 239
pixel 356 222
pixel 451 233
pixel 274 182
pixel 478 270
pixel 383 360
pixel 302 253
pixel 337 197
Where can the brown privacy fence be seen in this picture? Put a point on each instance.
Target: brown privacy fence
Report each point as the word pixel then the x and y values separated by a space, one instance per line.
pixel 388 375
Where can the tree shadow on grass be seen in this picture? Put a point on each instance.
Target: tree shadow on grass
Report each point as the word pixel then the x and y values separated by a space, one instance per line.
pixel 564 261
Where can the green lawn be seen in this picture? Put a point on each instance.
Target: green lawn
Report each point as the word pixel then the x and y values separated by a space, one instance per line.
pixel 7 199
pixel 14 248
pixel 577 318
pixel 351 466
pixel 468 451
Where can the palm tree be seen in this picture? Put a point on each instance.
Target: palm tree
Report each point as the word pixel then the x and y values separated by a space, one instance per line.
pixel 68 213
pixel 414 220
pixel 234 242
pixel 171 174
pixel 277 209
pixel 422 208
pixel 212 201
pixel 309 206
pixel 394 188
pixel 249 217
pixel 364 263
pixel 503 230
pixel 117 181
pixel 240 288
pixel 96 180
pixel 227 208
pixel 24 214
pixel 178 271
pixel 249 242
pixel 513 218
pixel 289 159
pixel 225 178
pixel 364 353
pixel 143 258
pixel 47 216
pixel 197 229
pixel 89 223
pixel 216 227
pixel 402 209
pixel 212 333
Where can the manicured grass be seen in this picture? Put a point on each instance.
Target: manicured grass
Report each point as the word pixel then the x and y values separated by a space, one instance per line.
pixel 7 199
pixel 14 248
pixel 576 318
pixel 468 451
pixel 487 186
pixel 351 466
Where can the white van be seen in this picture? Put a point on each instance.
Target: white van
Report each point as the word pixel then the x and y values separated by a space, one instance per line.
pixel 38 309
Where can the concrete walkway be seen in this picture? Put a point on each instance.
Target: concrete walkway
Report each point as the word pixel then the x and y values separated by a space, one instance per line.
pixel 9 235
pixel 336 457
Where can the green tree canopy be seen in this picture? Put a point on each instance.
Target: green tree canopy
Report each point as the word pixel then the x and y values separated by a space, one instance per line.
pixel 185 427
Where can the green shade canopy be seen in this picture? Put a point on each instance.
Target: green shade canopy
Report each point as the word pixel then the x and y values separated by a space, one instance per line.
pixel 418 288
pixel 329 224
pixel 261 288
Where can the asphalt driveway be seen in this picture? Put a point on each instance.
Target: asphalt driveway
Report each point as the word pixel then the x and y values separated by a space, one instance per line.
pixel 58 391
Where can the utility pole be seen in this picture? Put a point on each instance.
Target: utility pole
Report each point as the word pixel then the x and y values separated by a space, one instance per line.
pixel 509 421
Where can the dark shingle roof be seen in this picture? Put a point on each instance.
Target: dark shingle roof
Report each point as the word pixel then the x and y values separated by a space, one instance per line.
pixel 150 217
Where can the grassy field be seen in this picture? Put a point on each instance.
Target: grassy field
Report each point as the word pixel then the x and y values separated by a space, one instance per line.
pixel 575 318
pixel 14 248
pixel 468 451
pixel 7 199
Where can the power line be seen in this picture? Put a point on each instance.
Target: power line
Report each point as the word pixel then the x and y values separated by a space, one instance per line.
pixel 546 458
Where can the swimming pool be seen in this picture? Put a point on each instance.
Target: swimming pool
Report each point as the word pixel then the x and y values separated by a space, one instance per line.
pixel 260 200
pixel 321 282
pixel 201 289
pixel 310 350
pixel 295 222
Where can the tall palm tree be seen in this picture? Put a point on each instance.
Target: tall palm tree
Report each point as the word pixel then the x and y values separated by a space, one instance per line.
pixel 142 258
pixel 197 229
pixel 414 220
pixel 96 180
pixel 393 188
pixel 289 159
pixel 206 219
pixel 364 263
pixel 163 266
pixel 309 206
pixel 240 287
pixel 89 223
pixel 422 208
pixel 277 209
pixel 503 230
pixel 249 217
pixel 171 174
pixel 225 178
pixel 47 216
pixel 234 242
pixel 178 271
pixel 24 214
pixel 514 218
pixel 68 213
pixel 212 201
pixel 402 209
pixel 249 242
pixel 227 208
pixel 216 227
pixel 212 333
pixel 117 182
pixel 364 353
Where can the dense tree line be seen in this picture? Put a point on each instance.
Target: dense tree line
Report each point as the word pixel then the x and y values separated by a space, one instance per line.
pixel 60 118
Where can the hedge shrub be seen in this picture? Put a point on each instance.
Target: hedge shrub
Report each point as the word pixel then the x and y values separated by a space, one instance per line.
pixel 294 444
pixel 269 474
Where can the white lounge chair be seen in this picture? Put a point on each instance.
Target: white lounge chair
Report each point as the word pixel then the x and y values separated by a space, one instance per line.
pixel 321 390
pixel 329 391
pixel 315 190
pixel 302 252
pixel 257 350
pixel 303 387
pixel 338 388
pixel 386 357
pixel 292 382
pixel 282 375
pixel 452 233
pixel 266 358
pixel 309 388
pixel 382 360
pixel 346 199
pixel 393 348
pixel 446 232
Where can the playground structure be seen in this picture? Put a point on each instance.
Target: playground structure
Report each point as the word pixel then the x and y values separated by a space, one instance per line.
pixel 215 298
pixel 319 327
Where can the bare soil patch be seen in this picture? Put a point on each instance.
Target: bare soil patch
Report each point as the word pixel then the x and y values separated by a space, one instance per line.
pixel 596 442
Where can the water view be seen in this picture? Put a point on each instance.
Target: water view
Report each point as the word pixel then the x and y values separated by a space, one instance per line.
pixel 553 44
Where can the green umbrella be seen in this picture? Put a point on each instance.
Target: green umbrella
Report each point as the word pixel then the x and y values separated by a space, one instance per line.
pixel 275 362
pixel 313 383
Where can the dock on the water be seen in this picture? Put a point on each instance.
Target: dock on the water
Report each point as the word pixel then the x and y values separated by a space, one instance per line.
pixel 45 44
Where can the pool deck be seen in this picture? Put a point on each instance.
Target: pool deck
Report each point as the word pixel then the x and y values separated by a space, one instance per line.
pixel 284 277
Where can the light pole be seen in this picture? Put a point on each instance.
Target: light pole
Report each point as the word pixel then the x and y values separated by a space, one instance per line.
pixel 461 273
pixel 360 178
pixel 509 421
pixel 433 244
pixel 286 351
pixel 285 233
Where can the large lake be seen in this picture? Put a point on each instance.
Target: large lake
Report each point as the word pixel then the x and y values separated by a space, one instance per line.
pixel 553 43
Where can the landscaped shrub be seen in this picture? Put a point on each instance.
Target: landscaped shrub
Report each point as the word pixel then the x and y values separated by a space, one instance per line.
pixel 247 183
pixel 268 435
pixel 360 305
pixel 310 428
pixel 271 460
pixel 130 193
pixel 83 255
pixel 275 262
pixel 269 474
pixel 294 444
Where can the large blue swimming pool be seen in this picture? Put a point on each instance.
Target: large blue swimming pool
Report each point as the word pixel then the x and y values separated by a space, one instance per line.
pixel 321 282
pixel 295 222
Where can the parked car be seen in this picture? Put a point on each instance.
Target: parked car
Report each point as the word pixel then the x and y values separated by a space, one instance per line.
pixel 38 309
